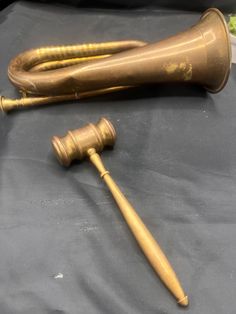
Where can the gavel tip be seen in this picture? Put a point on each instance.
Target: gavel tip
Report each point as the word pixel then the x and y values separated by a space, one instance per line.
pixel 108 130
pixel 60 152
pixel 184 301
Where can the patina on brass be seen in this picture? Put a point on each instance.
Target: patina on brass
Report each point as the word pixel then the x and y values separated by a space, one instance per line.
pixel 200 55
pixel 88 142
pixel 33 66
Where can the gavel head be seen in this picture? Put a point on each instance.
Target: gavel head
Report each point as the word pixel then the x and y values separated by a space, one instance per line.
pixel 76 143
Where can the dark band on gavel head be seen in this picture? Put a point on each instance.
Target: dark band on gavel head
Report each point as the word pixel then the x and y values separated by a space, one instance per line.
pixel 76 143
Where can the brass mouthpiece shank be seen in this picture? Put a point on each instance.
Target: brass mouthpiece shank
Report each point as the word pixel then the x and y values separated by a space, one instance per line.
pixel 87 142
pixel 76 143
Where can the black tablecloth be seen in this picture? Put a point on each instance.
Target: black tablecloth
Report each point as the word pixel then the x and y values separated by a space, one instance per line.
pixel 175 159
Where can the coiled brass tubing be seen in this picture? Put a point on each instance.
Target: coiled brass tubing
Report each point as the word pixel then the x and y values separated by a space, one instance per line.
pixel 45 75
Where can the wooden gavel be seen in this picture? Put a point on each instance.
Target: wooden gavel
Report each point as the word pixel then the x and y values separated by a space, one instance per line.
pixel 88 142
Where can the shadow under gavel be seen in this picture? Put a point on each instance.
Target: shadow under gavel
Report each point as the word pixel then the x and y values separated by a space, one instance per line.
pixel 87 142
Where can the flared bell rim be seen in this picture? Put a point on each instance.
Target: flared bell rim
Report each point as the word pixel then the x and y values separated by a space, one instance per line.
pixel 225 31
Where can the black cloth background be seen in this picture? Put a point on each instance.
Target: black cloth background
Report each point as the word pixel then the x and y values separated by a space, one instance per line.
pixel 225 5
pixel 175 159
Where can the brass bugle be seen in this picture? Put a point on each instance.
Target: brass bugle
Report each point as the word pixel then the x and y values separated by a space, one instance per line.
pixel 200 55
pixel 87 142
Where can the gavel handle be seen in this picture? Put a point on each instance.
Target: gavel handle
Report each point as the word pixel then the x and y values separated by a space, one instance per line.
pixel 143 236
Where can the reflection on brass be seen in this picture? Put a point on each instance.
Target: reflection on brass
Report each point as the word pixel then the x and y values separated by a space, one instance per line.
pixel 48 65
pixel 8 104
pixel 200 55
pixel 88 142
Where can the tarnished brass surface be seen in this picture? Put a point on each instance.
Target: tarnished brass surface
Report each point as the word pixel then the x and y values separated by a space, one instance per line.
pixel 76 143
pixel 32 67
pixel 8 104
pixel 200 55
pixel 87 142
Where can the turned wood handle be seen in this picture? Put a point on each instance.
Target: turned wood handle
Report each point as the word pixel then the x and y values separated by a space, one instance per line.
pixel 143 236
